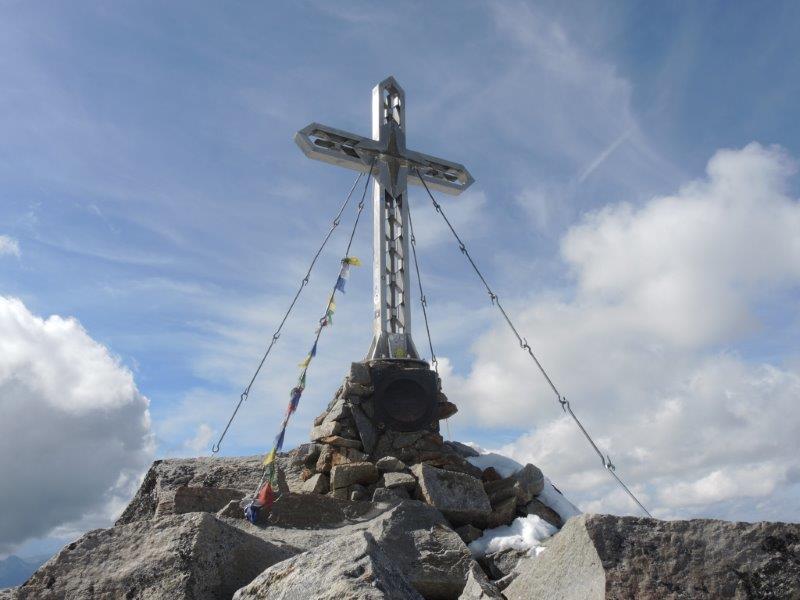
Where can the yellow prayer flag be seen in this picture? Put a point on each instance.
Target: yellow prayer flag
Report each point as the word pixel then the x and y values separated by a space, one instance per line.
pixel 269 458
pixel 352 260
pixel 305 362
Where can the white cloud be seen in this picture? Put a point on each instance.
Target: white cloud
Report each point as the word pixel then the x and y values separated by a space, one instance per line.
pixel 690 267
pixel 201 442
pixel 75 433
pixel 643 349
pixel 9 245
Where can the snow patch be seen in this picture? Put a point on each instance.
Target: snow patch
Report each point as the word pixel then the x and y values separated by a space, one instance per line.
pixel 524 533
pixel 554 499
pixel 505 466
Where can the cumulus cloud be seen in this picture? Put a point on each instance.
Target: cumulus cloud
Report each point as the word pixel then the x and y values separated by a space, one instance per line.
pixel 647 347
pixel 75 431
pixel 9 245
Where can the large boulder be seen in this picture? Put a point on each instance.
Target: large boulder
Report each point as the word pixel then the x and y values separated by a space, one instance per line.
pixel 531 482
pixel 414 535
pixel 605 556
pixel 192 557
pixel 478 587
pixel 458 496
pixel 239 475
pixel 420 542
pixel 352 566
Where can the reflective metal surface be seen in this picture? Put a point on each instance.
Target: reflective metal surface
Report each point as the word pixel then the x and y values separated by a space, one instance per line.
pixel 394 167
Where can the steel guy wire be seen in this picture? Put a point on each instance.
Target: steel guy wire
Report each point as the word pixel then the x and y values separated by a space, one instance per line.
pixel 523 343
pixel 422 299
pixel 244 395
pixel 268 470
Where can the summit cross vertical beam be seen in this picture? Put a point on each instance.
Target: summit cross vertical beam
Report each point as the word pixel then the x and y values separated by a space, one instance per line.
pixel 393 167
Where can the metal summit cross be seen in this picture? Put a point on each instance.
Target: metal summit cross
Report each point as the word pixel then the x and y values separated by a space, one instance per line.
pixel 393 166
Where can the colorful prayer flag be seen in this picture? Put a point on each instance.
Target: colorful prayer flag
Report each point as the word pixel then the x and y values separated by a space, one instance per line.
pixel 269 458
pixel 279 440
pixel 295 400
pixel 266 496
pixel 340 284
pixel 352 260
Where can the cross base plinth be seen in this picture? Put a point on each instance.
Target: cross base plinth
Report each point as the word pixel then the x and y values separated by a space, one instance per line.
pixel 398 346
pixel 386 408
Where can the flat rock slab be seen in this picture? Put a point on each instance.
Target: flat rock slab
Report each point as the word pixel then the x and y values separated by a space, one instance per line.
pixel 352 566
pixel 399 480
pixel 191 557
pixel 165 477
pixel 605 556
pixel 458 496
pixel 314 511
pixel 345 475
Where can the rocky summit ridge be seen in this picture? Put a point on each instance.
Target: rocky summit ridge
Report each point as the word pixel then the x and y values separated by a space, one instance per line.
pixel 373 512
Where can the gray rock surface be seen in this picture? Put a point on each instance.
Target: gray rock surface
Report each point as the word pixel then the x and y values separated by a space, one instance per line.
pixel 414 535
pixel 541 510
pixel 469 533
pixel 462 449
pixel 318 483
pixel 325 429
pixel 193 557
pixel 345 475
pixel 458 496
pixel 398 480
pixel 166 476
pixel 500 564
pixel 8 593
pixel 313 511
pixel 353 566
pixel 390 464
pixel 605 556
pixel 531 482
pixel 232 510
pixel 478 586
pixel 390 496
pixel 187 499
pixel 366 430
pixel 420 542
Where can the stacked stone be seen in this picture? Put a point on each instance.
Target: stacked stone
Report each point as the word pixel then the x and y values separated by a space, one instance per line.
pixel 352 457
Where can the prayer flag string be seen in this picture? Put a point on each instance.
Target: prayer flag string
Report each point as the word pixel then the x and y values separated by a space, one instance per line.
pixel 265 495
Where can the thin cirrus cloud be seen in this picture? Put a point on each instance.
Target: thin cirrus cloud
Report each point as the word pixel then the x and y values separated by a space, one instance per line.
pixel 9 246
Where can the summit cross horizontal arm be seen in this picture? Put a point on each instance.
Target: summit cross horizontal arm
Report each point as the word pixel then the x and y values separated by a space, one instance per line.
pixel 393 167
pixel 356 152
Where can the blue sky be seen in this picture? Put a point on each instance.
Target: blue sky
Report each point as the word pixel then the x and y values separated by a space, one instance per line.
pixel 150 188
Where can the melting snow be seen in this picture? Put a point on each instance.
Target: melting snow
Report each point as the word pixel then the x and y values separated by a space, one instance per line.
pixel 505 466
pixel 551 497
pixel 524 533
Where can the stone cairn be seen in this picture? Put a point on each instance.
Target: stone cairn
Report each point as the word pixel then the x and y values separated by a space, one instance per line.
pixel 354 456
